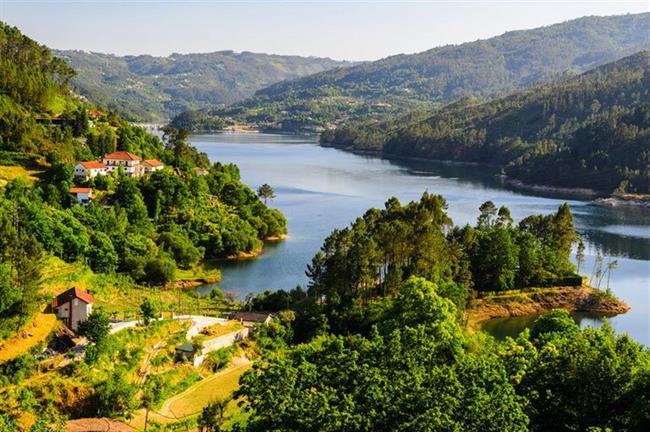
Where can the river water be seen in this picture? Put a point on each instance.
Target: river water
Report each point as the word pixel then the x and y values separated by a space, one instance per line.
pixel 319 189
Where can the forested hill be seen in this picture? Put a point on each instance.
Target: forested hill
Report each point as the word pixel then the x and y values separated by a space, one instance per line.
pixel 590 131
pixel 481 69
pixel 144 226
pixel 155 88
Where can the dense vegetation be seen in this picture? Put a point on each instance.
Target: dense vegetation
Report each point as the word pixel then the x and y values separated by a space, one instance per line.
pixel 360 266
pixel 590 131
pixel 378 340
pixel 480 69
pixel 147 88
pixel 417 370
pixel 144 228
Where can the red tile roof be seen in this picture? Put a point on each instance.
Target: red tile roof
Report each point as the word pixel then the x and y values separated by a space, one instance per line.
pixel 94 113
pixel 154 162
pixel 92 164
pixel 96 425
pixel 69 295
pixel 122 155
pixel 78 190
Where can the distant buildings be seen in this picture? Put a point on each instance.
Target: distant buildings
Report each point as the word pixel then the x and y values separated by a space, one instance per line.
pixel 73 306
pixel 132 164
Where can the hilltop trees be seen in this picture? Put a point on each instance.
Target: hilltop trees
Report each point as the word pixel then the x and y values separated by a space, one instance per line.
pixel 589 131
pixel 369 260
pixel 411 375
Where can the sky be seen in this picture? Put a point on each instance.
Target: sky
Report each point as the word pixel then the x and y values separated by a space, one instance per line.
pixel 343 30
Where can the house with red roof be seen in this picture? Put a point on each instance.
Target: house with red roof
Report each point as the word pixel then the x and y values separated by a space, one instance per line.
pixel 73 306
pixel 131 163
pixel 89 169
pixel 83 194
pixel 151 165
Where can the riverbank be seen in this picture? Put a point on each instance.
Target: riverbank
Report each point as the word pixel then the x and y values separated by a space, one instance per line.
pixel 540 300
pixel 629 200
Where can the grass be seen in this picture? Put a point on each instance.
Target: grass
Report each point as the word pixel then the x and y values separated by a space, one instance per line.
pixel 217 330
pixel 36 331
pixel 9 173
pixel 192 400
pixel 116 293
pixel 207 272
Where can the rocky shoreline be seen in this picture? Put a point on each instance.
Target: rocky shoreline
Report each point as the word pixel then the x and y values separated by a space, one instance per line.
pixel 541 300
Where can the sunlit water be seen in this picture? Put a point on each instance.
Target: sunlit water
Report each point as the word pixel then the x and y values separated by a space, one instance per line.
pixel 319 189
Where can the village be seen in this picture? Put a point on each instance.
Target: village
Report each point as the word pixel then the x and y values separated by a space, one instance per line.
pixel 131 164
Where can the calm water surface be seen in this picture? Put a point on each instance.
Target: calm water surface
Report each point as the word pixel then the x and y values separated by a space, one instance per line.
pixel 319 189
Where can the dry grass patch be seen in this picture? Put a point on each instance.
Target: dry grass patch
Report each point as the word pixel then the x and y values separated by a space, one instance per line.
pixel 36 330
pixel 8 173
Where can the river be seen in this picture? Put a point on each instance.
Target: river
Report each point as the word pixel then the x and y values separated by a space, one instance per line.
pixel 319 189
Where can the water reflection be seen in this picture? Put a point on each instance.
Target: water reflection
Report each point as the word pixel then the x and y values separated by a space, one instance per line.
pixel 319 189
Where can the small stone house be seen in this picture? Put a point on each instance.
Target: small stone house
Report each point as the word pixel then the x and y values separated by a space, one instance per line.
pixel 73 306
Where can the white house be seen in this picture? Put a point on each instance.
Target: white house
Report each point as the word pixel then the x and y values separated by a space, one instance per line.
pixel 73 306
pixel 151 165
pixel 131 163
pixel 83 194
pixel 89 169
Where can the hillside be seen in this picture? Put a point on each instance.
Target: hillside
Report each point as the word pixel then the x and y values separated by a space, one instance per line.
pixel 590 131
pixel 148 227
pixel 481 69
pixel 151 88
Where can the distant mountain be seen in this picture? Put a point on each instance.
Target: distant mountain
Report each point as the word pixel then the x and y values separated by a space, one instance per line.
pixel 156 88
pixel 482 69
pixel 589 131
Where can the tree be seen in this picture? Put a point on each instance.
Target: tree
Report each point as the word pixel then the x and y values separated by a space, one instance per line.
pixel 96 327
pixel 611 265
pixel 116 396
pixel 148 311
pixel 265 192
pixel 212 416
pixel 159 270
pixel 152 395
pixel 488 210
pixel 580 255
pixel 101 253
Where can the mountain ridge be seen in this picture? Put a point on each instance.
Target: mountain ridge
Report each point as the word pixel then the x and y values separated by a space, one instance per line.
pixel 154 88
pixel 481 69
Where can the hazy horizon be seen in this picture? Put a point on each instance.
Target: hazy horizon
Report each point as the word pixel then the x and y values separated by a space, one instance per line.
pixel 341 30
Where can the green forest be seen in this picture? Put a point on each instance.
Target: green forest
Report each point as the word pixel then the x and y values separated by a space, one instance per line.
pixel 144 228
pixel 378 340
pixel 482 69
pixel 154 89
pixel 590 131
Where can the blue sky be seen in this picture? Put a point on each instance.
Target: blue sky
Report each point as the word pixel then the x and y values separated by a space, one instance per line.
pixel 351 30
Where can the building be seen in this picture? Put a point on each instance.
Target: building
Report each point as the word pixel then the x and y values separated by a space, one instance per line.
pixel 185 352
pixel 83 194
pixel 89 169
pixel 151 165
pixel 251 319
pixel 131 163
pixel 73 306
